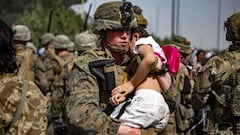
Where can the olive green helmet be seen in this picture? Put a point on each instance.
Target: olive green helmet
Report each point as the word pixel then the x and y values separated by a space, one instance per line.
pixel 85 41
pixel 62 42
pixel 31 46
pixel 46 38
pixel 182 44
pixel 114 16
pixel 21 33
pixel 232 24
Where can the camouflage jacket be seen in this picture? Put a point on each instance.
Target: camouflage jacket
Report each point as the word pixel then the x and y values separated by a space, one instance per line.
pixel 35 71
pixel 84 113
pixel 212 75
pixel 58 87
pixel 32 120
pixel 51 67
pixel 214 87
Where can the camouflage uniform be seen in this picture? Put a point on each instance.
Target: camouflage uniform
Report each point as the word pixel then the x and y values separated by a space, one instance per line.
pixel 60 42
pixel 30 65
pixel 85 110
pixel 22 105
pixel 216 90
pixel 182 115
pixel 32 120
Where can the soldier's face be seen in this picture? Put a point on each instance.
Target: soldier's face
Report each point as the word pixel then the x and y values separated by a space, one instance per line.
pixel 118 37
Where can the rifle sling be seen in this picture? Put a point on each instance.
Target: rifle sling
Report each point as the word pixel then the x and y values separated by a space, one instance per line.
pixel 123 109
pixel 20 107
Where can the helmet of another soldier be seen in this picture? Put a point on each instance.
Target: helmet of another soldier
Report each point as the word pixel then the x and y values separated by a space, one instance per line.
pixel 21 33
pixel 32 46
pixel 114 16
pixel 46 38
pixel 232 24
pixel 182 44
pixel 85 41
pixel 62 42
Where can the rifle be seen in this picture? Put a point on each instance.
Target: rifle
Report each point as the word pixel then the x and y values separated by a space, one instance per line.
pixel 49 21
pixel 85 23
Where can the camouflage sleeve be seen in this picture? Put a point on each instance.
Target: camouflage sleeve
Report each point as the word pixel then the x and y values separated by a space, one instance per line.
pixel 40 74
pixel 205 79
pixel 32 120
pixel 84 114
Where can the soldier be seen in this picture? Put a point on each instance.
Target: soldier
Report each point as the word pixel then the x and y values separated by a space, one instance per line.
pixel 30 66
pixel 96 72
pixel 46 43
pixel 61 43
pixel 47 54
pixel 182 116
pixel 22 105
pixel 216 89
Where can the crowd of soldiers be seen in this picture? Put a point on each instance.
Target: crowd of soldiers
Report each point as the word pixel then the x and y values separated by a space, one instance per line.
pixel 64 87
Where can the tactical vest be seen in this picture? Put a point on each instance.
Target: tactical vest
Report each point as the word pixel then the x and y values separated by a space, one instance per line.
pixel 113 74
pixel 26 64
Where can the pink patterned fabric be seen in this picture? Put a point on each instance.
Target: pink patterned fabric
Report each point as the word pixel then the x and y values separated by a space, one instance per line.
pixel 173 58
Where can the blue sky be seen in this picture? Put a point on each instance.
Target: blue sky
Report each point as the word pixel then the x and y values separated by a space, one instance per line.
pixel 198 19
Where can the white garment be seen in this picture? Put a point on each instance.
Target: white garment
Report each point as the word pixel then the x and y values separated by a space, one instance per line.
pixel 155 46
pixel 147 108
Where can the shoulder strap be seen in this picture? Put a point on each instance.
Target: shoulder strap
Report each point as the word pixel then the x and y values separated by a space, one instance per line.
pixel 20 106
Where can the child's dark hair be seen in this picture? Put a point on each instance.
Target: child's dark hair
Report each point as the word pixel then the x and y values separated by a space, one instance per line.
pixel 141 30
pixel 7 50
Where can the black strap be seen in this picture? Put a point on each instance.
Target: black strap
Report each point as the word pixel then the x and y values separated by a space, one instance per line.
pixel 20 107
pixel 123 109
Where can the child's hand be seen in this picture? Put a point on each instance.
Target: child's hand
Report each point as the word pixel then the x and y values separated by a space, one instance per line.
pixel 120 93
pixel 116 99
pixel 159 65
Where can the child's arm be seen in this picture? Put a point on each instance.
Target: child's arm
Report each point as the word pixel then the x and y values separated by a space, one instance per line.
pixel 142 72
pixel 146 65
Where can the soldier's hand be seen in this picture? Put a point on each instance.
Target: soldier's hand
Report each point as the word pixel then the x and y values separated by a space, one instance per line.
pixel 123 89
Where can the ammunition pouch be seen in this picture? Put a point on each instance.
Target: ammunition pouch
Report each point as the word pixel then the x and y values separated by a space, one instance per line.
pixel 103 70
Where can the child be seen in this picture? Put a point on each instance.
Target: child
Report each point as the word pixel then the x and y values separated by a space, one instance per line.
pixel 147 107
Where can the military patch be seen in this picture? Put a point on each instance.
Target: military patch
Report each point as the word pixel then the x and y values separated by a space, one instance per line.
pixel 81 61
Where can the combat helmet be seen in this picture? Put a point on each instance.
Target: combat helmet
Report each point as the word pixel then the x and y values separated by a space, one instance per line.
pixel 32 46
pixel 85 40
pixel 183 45
pixel 21 33
pixel 232 24
pixel 62 42
pixel 141 20
pixel 46 38
pixel 114 16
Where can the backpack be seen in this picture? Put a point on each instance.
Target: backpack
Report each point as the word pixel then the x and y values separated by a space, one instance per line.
pixel 26 64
